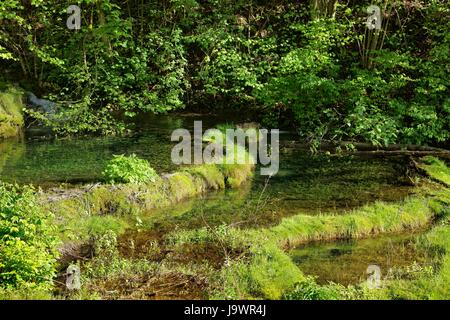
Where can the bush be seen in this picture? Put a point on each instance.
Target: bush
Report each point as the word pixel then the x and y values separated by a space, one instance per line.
pixel 27 247
pixel 129 169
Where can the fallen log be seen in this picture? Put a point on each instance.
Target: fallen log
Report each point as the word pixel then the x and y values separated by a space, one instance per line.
pixel 362 148
pixel 411 153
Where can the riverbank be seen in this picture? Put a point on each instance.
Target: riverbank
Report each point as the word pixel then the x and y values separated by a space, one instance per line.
pixel 81 211
pixel 230 263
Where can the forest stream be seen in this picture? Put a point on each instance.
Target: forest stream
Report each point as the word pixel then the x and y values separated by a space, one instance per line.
pixel 306 183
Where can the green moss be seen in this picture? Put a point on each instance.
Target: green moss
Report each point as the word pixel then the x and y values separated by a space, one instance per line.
pixel 11 119
pixel 236 174
pixel 108 200
pixel 369 220
pixel 183 185
pixel 75 215
pixel 155 195
pixel 211 174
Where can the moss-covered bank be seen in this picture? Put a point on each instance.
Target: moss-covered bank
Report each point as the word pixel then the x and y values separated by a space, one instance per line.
pixel 11 118
pixel 83 212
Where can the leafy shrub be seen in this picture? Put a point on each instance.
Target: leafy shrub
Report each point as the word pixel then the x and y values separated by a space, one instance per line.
pixel 129 169
pixel 27 247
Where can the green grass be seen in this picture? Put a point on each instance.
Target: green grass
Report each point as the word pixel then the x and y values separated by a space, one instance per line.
pixel 367 221
pixel 265 270
pixel 436 169
pixel 81 215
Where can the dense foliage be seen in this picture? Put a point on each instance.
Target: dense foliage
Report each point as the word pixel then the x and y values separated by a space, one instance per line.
pixel 27 245
pixel 129 169
pixel 314 63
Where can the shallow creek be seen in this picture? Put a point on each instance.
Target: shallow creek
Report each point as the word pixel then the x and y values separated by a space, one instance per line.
pixel 347 262
pixel 304 184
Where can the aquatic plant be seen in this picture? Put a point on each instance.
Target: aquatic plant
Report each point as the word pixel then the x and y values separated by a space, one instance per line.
pixel 436 169
pixel 129 169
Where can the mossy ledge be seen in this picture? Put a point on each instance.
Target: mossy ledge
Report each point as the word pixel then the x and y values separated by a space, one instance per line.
pixel 114 200
pixel 11 118
pixel 377 218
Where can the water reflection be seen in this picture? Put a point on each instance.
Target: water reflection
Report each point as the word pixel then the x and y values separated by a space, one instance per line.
pixel 346 262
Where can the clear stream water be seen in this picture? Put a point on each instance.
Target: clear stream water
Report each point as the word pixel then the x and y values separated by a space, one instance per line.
pixel 346 262
pixel 304 184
